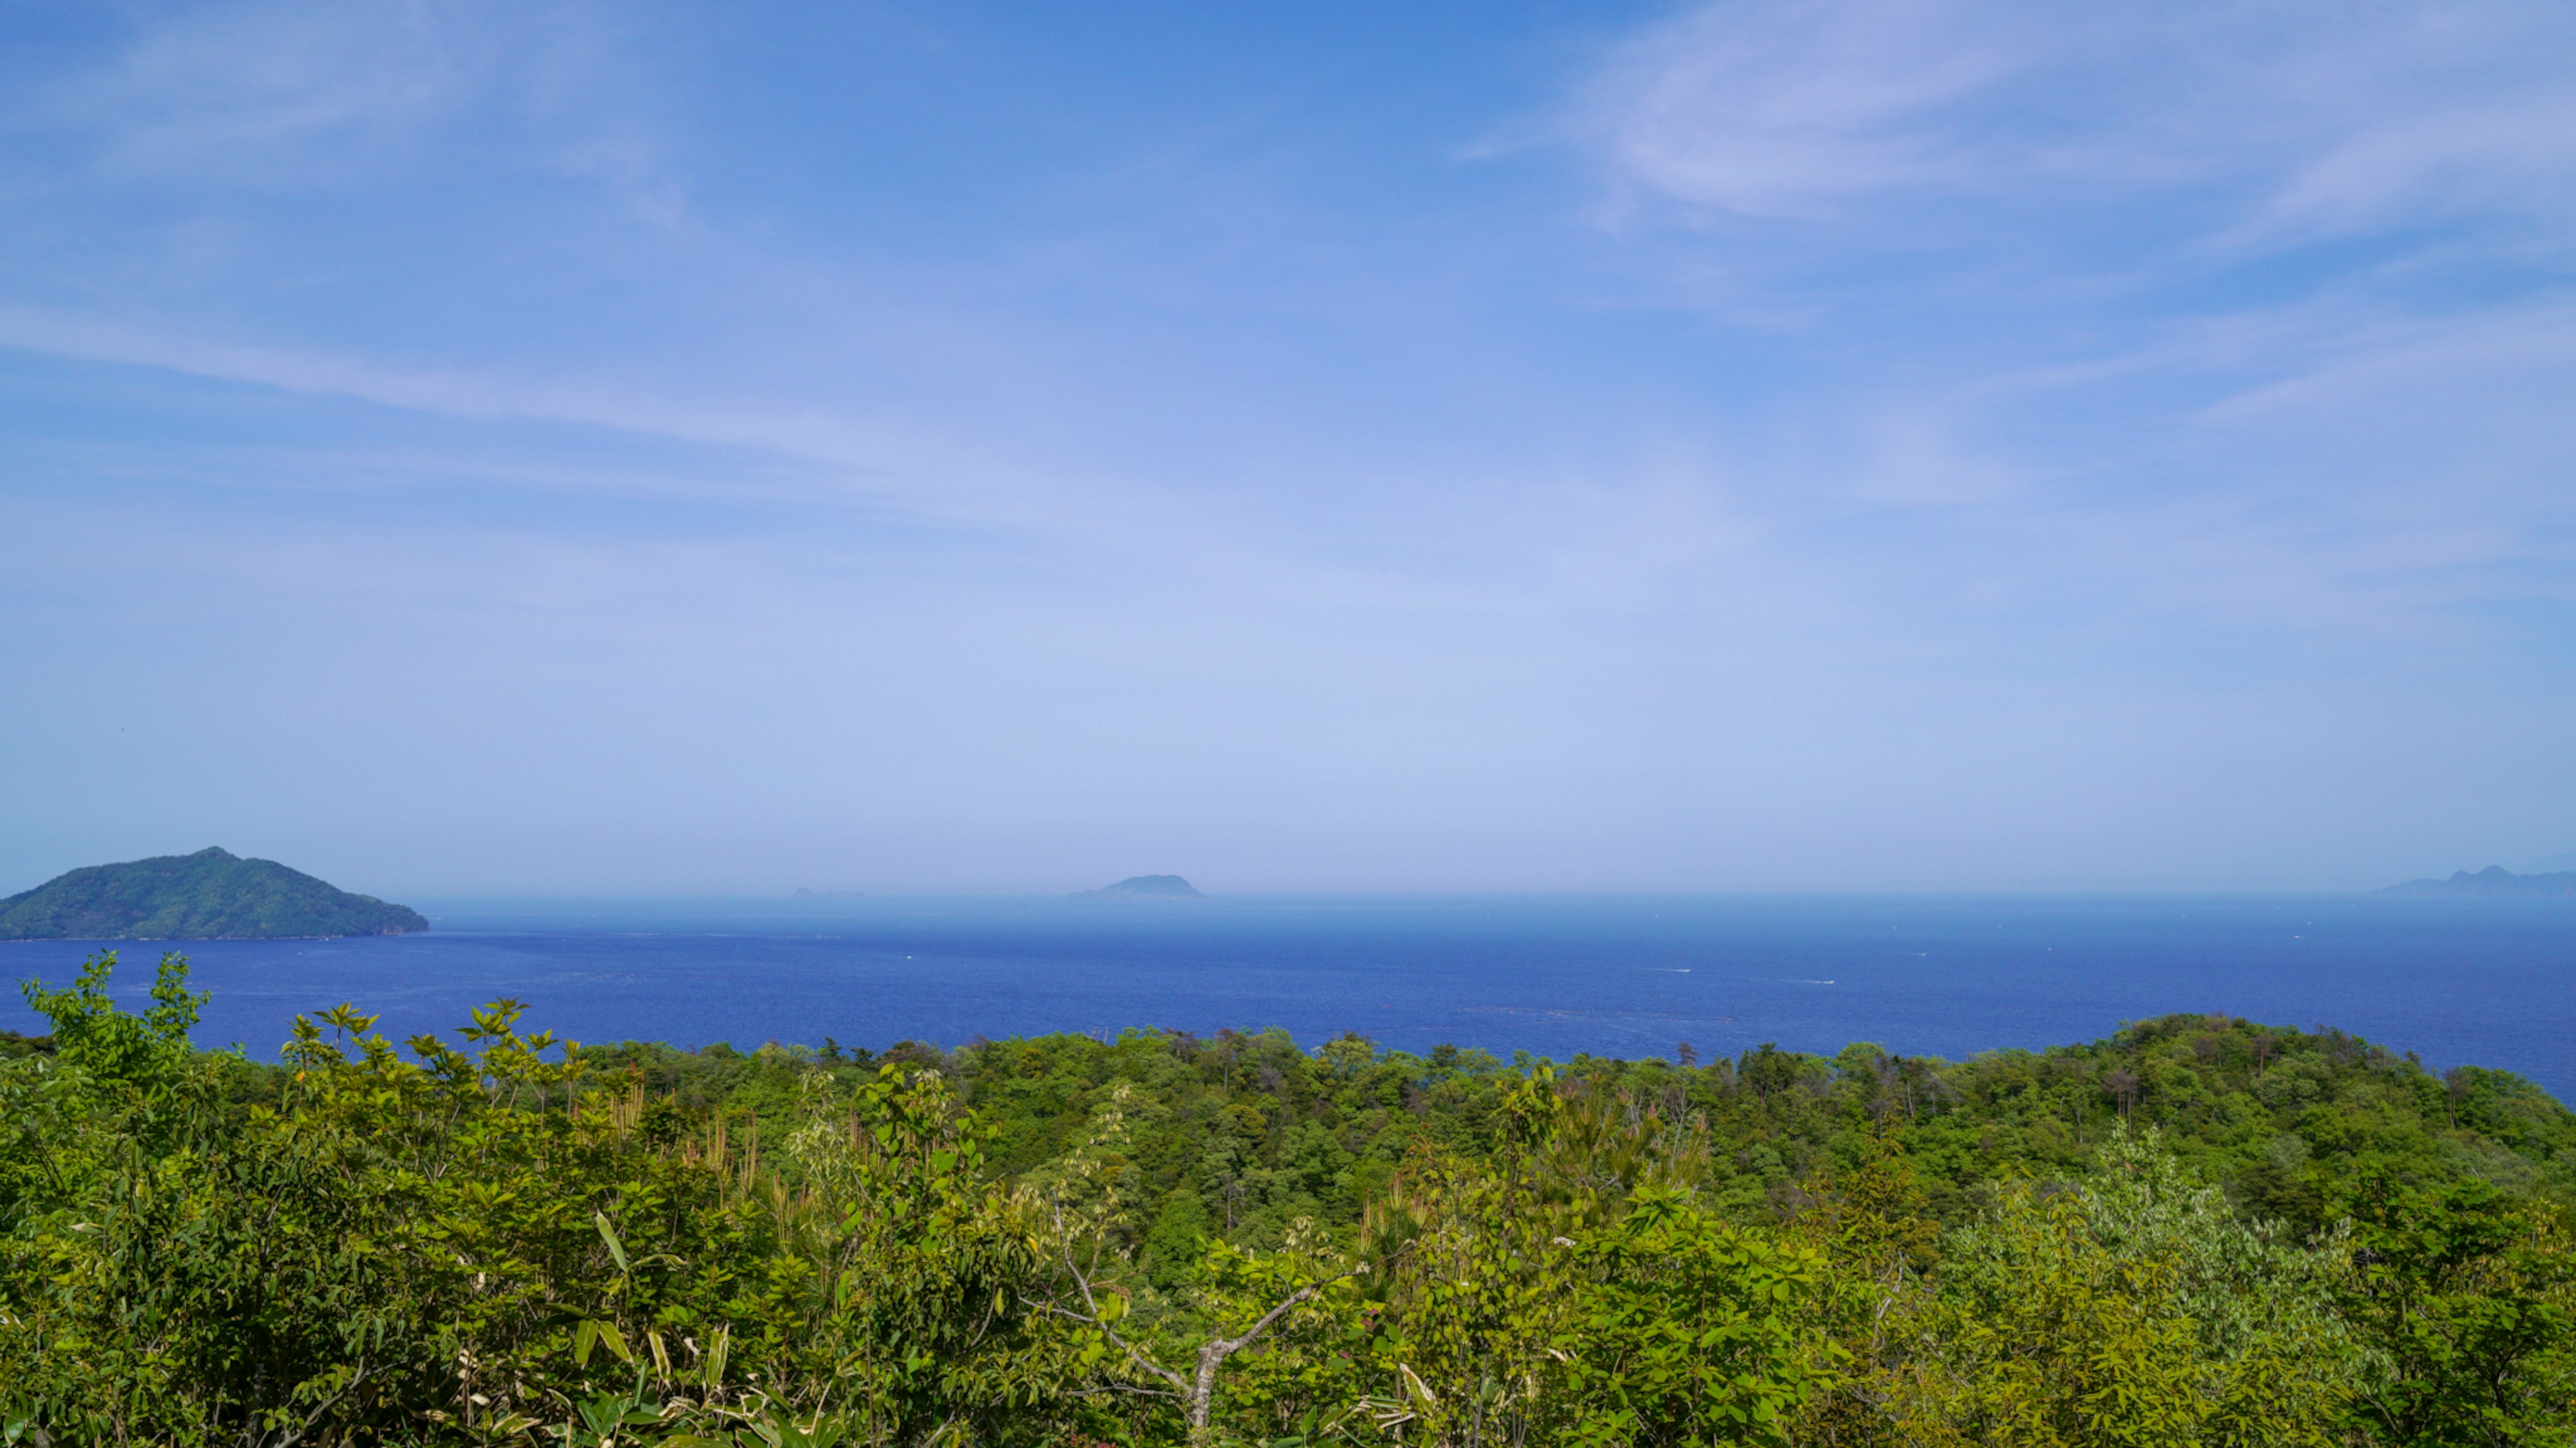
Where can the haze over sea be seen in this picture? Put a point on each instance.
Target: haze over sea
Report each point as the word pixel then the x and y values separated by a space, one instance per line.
pixel 2483 982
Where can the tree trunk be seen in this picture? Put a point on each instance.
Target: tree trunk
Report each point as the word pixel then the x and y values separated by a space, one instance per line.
pixel 1203 1393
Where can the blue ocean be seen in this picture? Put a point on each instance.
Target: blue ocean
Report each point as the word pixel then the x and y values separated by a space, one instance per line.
pixel 2477 981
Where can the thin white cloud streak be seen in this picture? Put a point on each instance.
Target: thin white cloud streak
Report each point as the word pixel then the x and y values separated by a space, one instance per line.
pixel 227 82
pixel 1780 110
pixel 2395 360
pixel 1972 582
pixel 2310 119
pixel 573 704
pixel 869 456
pixel 1866 104
pixel 2404 115
pixel 312 96
pixel 1540 545
pixel 2052 210
pixel 1726 537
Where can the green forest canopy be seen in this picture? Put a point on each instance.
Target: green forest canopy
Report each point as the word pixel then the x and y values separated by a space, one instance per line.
pixel 2199 1230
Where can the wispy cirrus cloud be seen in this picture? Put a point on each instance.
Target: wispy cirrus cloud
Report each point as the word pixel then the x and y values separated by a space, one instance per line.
pixel 2281 287
pixel 2299 119
pixel 1938 421
pixel 1788 111
pixel 227 83
pixel 472 395
pixel 311 95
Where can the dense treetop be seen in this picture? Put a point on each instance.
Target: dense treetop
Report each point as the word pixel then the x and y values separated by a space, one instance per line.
pixel 2198 1230
pixel 1247 1131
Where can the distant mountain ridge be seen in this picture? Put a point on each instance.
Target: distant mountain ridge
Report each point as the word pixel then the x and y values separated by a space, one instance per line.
pixel 210 895
pixel 2493 880
pixel 1144 887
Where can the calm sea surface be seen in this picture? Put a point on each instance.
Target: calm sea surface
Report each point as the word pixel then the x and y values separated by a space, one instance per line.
pixel 2490 982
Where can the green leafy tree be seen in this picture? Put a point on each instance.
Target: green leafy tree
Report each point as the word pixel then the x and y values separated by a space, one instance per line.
pixel 2136 1309
pixel 505 1238
pixel 2468 1300
pixel 91 1035
pixel 1182 1359
pixel 1568 1292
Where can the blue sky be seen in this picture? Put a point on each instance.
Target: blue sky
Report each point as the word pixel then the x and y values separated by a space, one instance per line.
pixel 543 447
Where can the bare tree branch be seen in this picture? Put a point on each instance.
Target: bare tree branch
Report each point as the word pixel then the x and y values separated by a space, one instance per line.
pixel 297 1436
pixel 1083 1281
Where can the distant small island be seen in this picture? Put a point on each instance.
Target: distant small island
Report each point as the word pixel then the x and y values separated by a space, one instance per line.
pixel 210 895
pixel 1144 887
pixel 805 894
pixel 2493 880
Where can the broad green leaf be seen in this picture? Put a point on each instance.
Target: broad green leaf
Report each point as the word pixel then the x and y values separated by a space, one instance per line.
pixel 607 1234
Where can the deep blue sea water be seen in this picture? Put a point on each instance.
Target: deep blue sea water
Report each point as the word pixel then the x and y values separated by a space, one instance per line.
pixel 2489 982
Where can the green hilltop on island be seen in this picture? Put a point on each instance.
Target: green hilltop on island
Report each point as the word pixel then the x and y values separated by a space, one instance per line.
pixel 210 895
pixel 2493 880
pixel 1144 887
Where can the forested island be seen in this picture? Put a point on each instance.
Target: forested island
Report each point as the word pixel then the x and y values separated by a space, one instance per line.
pixel 2493 880
pixel 1144 887
pixel 2199 1230
pixel 210 895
